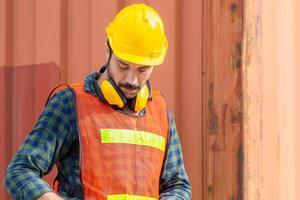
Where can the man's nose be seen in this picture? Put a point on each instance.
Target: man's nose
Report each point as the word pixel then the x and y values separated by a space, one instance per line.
pixel 132 78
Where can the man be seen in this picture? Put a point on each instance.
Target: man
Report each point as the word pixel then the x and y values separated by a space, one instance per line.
pixel 110 136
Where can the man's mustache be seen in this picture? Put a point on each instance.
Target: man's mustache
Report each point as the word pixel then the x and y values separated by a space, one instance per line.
pixel 129 86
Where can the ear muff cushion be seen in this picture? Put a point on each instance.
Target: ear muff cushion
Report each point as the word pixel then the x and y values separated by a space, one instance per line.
pixel 142 98
pixel 118 90
pixel 112 94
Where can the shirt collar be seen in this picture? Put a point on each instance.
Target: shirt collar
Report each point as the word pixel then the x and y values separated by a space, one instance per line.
pixel 90 84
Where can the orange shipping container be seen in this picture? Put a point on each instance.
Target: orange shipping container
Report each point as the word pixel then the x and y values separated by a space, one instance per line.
pixel 232 81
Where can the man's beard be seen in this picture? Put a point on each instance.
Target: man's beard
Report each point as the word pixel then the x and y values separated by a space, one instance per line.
pixel 131 87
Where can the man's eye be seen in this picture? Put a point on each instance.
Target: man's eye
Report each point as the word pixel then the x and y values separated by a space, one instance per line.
pixel 122 67
pixel 143 69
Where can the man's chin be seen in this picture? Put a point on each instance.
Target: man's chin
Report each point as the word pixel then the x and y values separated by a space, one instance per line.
pixel 130 96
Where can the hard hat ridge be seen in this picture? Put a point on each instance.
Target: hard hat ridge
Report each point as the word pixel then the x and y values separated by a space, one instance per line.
pixel 137 35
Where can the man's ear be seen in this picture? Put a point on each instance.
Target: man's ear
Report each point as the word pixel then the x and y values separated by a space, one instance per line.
pixel 106 51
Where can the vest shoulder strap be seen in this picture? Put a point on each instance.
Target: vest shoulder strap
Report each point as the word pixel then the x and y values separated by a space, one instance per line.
pixel 62 87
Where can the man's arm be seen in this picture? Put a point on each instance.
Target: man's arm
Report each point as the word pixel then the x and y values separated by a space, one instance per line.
pixel 40 150
pixel 50 196
pixel 174 182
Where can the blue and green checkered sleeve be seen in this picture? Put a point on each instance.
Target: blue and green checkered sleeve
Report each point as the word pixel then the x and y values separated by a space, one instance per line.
pixel 40 150
pixel 174 182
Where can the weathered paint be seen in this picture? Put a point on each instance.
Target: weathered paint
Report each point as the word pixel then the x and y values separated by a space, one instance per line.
pixel 297 93
pixel 71 35
pixel 223 160
pixel 252 87
pixel 271 99
pixel 22 99
pixel 232 81
pixel 188 87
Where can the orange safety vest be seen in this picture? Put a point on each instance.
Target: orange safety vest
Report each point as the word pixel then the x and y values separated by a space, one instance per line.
pixel 121 155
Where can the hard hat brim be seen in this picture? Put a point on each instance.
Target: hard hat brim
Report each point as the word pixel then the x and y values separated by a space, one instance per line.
pixel 140 59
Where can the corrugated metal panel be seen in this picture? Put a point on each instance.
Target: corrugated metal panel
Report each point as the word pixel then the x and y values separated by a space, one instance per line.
pixel 297 93
pixel 22 99
pixel 272 114
pixel 203 84
pixel 280 121
pixel 189 81
pixel 71 34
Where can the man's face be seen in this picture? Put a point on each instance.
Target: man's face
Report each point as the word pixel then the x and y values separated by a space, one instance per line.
pixel 128 76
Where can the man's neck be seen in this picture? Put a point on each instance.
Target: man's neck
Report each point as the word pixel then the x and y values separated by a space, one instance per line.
pixel 127 110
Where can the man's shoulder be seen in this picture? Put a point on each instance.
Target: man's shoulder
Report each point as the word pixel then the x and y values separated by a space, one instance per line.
pixel 157 93
pixel 61 93
pixel 158 96
pixel 65 90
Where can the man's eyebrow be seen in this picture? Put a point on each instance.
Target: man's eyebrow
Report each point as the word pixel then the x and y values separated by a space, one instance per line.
pixel 145 67
pixel 120 61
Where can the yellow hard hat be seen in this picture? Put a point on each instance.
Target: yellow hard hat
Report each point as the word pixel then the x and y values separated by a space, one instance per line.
pixel 137 35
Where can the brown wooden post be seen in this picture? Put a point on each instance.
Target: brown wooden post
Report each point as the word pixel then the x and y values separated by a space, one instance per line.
pixel 223 155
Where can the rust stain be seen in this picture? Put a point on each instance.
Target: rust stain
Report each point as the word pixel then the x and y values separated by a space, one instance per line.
pixel 210 189
pixel 233 7
pixel 232 197
pixel 225 108
pixel 237 117
pixel 240 172
pixel 213 117
pixel 253 35
pixel 236 61
pixel 217 148
pixel 239 48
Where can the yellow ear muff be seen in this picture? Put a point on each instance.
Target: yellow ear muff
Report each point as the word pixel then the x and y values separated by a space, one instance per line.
pixel 110 94
pixel 142 98
pixel 114 96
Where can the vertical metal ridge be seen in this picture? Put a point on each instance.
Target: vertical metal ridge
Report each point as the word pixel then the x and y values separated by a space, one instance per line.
pixel 64 40
pixel 7 117
pixel 205 186
pixel 178 63
pixel 120 5
pixel 90 67
pixel 8 32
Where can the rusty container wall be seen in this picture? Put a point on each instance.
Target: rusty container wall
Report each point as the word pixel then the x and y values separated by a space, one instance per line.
pixel 281 115
pixel 222 100
pixel 271 100
pixel 297 94
pixel 70 35
pixel 231 77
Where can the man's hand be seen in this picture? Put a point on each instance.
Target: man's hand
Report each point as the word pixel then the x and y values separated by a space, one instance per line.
pixel 50 196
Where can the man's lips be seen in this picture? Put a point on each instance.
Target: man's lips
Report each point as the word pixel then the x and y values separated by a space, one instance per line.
pixel 129 90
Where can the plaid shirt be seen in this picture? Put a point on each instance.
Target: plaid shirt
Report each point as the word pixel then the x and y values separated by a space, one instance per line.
pixel 55 139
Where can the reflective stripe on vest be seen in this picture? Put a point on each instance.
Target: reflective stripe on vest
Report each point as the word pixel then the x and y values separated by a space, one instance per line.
pixel 133 137
pixel 128 197
pixel 121 156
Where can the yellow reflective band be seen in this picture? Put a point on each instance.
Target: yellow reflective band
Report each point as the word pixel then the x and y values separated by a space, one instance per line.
pixel 128 197
pixel 133 137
